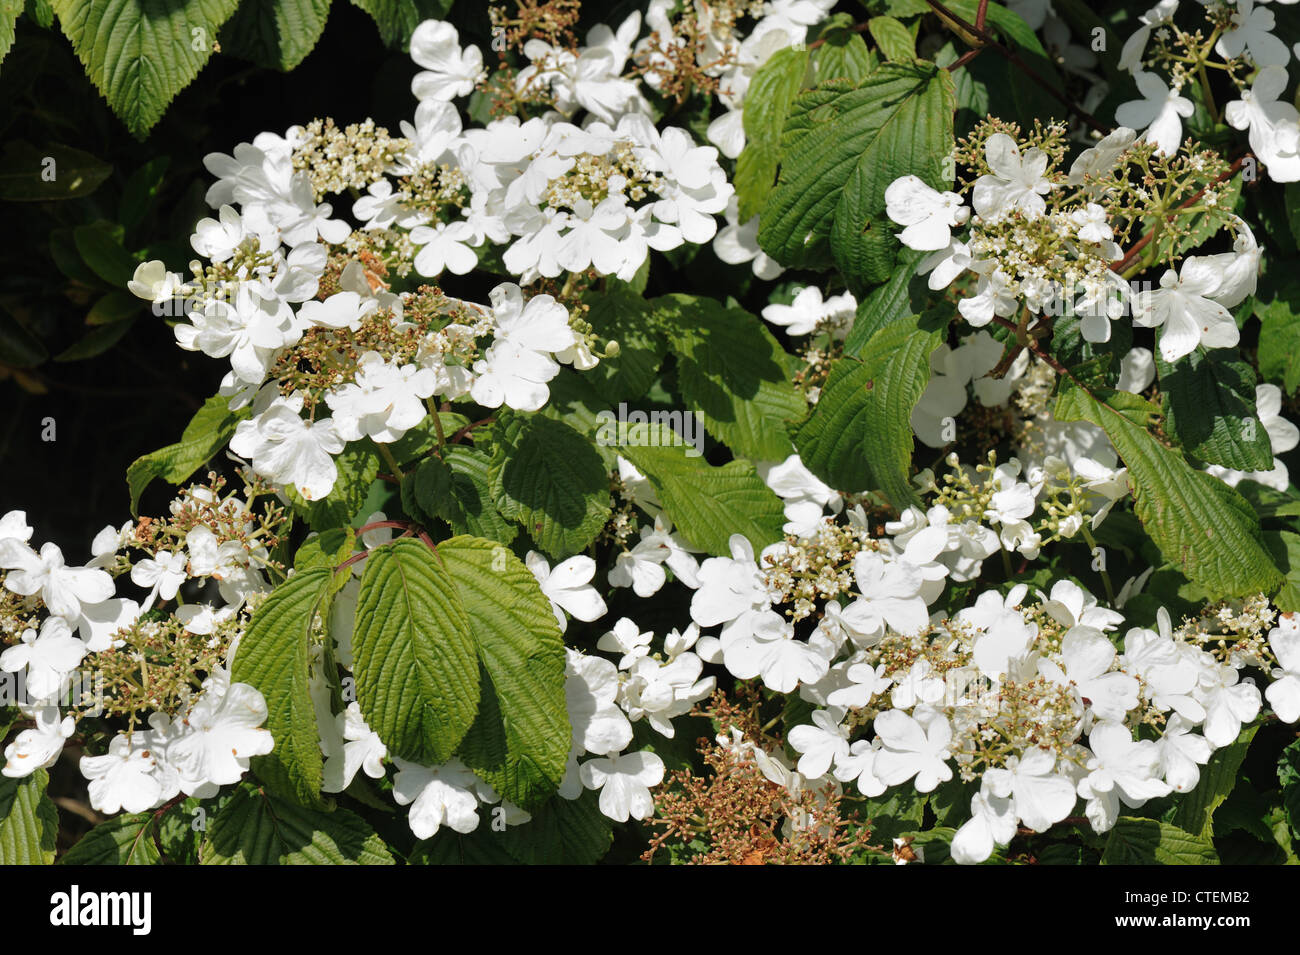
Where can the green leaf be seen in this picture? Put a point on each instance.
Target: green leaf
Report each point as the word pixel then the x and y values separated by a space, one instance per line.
pixel 624 316
pixel 327 549
pixel 549 478
pixel 733 373
pixel 1135 841
pixel 707 504
pixel 520 740
pixel 1209 403
pixel 1279 337
pixel 141 53
pixel 1195 812
pixel 458 489
pixel 415 665
pixel 275 657
pixel 771 92
pixel 842 146
pixel 1285 548
pixel 397 19
pixel 1201 525
pixel 113 307
pixel 275 33
pixel 9 12
pixel 1288 774
pixel 122 840
pixel 256 828
pixel 860 432
pixel 103 252
pixel 98 340
pixel 208 432
pixel 40 173
pixel 901 296
pixel 894 40
pixel 843 55
pixel 29 822
pixel 358 466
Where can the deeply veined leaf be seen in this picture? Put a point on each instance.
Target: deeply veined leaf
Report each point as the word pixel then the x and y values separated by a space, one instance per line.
pixel 842 147
pixel 549 478
pixel 707 504
pixel 1135 841
pixel 734 374
pixel 901 296
pixel 208 432
pixel 767 103
pixel 457 488
pixel 894 40
pixel 141 53
pixel 520 740
pixel 1209 405
pixel 275 658
pixel 622 315
pixel 414 657
pixel 1201 525
pixel 121 840
pixel 561 832
pixel 275 33
pixel 860 432
pixel 256 828
pixel 29 822
pixel 397 19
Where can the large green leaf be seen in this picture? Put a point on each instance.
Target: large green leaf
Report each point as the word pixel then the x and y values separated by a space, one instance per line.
pixel 1279 337
pixel 520 740
pixel 767 103
pixel 734 374
pixel 1135 841
pixel 275 657
pixel 562 832
pixel 1201 525
pixel 550 479
pixel 707 504
pixel 358 467
pixel 903 295
pixel 208 432
pixel 1209 403
pixel 842 147
pixel 141 53
pixel 256 828
pixel 1195 813
pixel 29 822
pixel 9 11
pixel 457 488
pixel 122 840
pixel 622 315
pixel 275 33
pixel 415 665
pixel 860 432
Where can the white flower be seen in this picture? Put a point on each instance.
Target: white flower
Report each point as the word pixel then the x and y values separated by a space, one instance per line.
pixel 992 822
pixel 642 567
pixel 1086 658
pixel 568 587
pixel 1130 57
pixel 444 246
pixel 1182 753
pixel 438 796
pixel 63 589
pixel 859 765
pixel 590 689
pixel 1283 694
pixel 153 283
pixel 1185 312
pixel 803 315
pixel 762 644
pixel 38 748
pixel 929 215
pixel 624 783
pixel 1157 113
pixel 125 777
pixel 1015 184
pixel 286 449
pixel 1121 770
pixel 163 574
pixel 805 495
pixel 626 638
pixel 1228 703
pixel 890 596
pixel 362 750
pixel 47 659
pixel 449 71
pixel 1250 33
pixel 340 310
pixel 1274 123
pixel 737 243
pixel 915 745
pixel 518 364
pixel 729 586
pixel 1002 633
pixel 220 734
pixel 825 742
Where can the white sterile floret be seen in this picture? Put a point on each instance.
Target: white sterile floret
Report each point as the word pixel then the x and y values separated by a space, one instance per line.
pixel 916 746
pixel 729 586
pixel 63 589
pixel 362 749
pixel 568 587
pixel 518 364
pixel 1159 113
pixel 449 71
pixel 383 401
pixel 808 311
pixel 41 746
pixel 1283 694
pixel 221 732
pixel 591 688
pixel 438 796
pixel 125 777
pixel 1015 183
pixel 1273 123
pixel 46 660
pixel 928 215
pixel 289 450
pixel 624 783
pixel 1184 310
